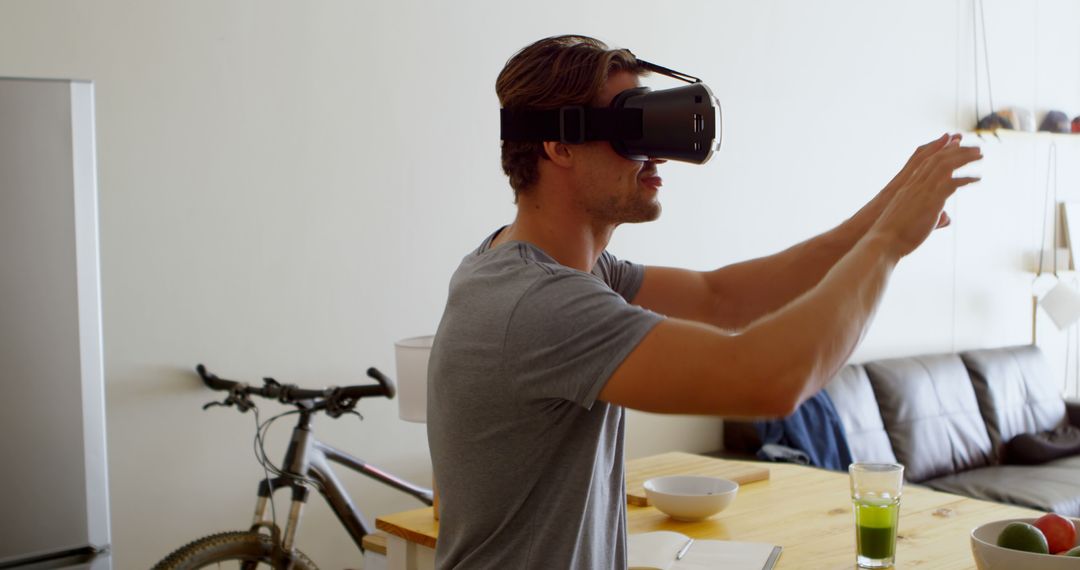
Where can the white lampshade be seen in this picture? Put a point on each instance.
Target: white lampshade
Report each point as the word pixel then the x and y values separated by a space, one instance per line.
pixel 1062 303
pixel 411 355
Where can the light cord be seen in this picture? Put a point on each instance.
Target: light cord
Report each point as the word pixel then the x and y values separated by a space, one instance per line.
pixel 1051 168
pixel 986 56
pixel 978 24
pixel 975 54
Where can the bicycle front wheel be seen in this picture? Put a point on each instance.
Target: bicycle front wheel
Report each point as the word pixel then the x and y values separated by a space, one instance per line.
pixel 244 550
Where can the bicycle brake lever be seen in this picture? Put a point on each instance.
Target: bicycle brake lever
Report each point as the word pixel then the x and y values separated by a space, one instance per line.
pixel 336 406
pixel 209 405
pixel 238 397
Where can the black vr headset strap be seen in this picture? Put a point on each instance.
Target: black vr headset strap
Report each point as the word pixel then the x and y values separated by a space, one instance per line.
pixel 571 124
pixel 668 72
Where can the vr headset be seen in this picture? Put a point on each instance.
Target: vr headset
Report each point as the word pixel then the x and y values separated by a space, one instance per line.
pixel 683 123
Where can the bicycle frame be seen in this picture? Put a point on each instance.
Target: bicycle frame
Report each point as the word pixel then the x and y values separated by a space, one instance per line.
pixel 309 457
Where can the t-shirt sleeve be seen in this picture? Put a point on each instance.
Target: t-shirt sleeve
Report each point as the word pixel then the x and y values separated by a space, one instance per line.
pixel 567 335
pixel 623 277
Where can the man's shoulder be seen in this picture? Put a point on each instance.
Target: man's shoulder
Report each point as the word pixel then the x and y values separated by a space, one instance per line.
pixel 512 274
pixel 515 262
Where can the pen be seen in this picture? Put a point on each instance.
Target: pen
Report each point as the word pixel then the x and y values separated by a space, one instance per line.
pixel 682 551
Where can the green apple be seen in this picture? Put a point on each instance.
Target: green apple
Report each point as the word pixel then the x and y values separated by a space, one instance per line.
pixel 1023 536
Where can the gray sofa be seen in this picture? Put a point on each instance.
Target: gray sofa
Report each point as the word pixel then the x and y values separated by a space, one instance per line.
pixel 949 418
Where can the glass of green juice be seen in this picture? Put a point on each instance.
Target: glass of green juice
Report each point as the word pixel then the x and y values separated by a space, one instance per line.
pixel 875 494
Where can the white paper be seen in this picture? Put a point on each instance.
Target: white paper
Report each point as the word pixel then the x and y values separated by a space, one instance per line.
pixel 656 551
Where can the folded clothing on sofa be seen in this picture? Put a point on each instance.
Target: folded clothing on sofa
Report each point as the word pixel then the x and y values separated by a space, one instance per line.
pixel 814 434
pixel 1044 446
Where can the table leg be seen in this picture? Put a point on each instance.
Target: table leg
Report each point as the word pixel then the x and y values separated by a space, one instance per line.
pixel 404 555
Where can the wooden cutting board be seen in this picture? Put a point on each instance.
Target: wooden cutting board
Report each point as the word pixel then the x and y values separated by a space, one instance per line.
pixel 679 463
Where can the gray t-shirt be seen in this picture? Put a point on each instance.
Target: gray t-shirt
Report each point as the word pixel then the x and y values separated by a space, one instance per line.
pixel 529 465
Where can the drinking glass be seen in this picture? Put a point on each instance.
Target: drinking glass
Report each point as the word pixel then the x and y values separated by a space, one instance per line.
pixel 875 495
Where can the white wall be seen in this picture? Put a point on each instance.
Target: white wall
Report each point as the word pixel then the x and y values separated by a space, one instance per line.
pixel 286 187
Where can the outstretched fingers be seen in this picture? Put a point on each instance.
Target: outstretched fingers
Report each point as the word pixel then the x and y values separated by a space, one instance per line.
pixel 919 157
pixel 964 181
pixel 931 147
pixel 942 165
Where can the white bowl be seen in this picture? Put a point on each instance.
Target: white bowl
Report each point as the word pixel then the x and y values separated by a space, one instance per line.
pixel 690 497
pixel 989 556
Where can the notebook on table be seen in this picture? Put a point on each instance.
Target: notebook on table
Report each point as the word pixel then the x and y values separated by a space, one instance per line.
pixel 657 551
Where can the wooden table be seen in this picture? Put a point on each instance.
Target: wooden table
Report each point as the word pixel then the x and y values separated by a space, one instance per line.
pixel 805 510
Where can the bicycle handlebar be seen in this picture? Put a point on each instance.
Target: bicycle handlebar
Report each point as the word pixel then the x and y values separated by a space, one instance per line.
pixel 333 399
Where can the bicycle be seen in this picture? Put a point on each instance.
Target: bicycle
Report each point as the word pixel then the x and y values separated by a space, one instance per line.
pixel 306 464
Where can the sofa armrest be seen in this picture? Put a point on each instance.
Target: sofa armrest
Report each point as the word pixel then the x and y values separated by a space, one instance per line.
pixel 1072 412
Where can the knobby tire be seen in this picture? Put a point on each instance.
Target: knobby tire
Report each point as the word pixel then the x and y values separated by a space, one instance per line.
pixel 239 546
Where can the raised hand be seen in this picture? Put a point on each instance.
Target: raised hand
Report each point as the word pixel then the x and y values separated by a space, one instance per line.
pixel 917 159
pixel 920 191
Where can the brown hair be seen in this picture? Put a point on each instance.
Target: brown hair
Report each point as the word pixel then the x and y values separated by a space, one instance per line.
pixel 551 73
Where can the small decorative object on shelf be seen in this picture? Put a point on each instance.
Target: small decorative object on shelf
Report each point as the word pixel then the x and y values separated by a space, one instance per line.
pixel 1009 115
pixel 1025 119
pixel 1056 122
pixel 994 121
pixel 1076 125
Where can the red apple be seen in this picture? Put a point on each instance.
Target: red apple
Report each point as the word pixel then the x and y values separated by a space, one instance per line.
pixel 1059 531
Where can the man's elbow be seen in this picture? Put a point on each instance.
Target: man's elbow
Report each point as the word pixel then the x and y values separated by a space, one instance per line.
pixel 787 392
pixel 780 405
pixel 785 408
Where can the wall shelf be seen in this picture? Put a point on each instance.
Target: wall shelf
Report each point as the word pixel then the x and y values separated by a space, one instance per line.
pixel 1006 134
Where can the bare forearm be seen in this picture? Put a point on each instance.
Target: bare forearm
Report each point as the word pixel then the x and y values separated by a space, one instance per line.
pixel 767 369
pixel 839 308
pixel 747 291
pixel 814 335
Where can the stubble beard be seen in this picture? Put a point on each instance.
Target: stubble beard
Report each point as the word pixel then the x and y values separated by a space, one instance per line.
pixel 617 209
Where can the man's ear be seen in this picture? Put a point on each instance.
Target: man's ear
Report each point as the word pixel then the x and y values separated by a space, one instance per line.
pixel 559 153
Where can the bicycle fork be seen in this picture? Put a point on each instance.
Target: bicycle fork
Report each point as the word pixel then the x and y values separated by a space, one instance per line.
pixel 299 498
pixel 296 462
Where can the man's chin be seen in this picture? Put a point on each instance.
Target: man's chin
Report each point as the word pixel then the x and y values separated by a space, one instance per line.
pixel 648 213
pixel 626 212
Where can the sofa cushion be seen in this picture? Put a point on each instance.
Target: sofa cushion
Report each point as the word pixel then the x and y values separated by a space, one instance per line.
pixel 853 398
pixel 1047 487
pixel 1016 392
pixel 930 412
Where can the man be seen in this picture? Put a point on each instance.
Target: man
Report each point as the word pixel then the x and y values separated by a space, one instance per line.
pixel 546 337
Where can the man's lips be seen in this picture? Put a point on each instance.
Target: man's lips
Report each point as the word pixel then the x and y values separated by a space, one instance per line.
pixel 653 180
